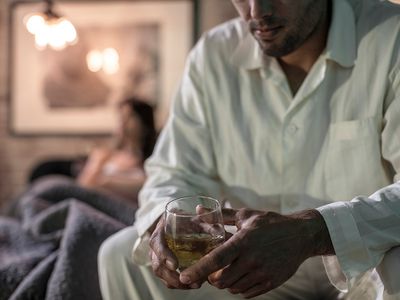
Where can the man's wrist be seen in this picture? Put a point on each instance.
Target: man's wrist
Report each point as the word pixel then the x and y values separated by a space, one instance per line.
pixel 318 233
pixel 321 238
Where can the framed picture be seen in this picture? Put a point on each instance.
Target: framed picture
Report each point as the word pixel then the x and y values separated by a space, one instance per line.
pixel 64 92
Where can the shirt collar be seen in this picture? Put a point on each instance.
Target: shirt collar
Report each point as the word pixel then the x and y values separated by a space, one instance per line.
pixel 341 44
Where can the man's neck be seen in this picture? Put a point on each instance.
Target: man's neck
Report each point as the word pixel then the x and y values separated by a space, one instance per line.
pixel 298 64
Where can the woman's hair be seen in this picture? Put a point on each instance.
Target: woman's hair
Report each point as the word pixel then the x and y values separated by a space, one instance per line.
pixel 144 113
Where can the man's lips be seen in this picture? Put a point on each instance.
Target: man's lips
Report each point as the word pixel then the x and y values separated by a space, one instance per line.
pixel 266 33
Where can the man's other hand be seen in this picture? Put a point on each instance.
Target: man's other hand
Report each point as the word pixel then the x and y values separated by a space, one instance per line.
pixel 264 253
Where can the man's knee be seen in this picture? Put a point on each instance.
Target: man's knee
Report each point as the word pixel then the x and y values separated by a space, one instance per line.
pixel 117 249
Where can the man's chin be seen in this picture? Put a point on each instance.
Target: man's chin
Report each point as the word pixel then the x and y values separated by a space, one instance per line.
pixel 273 50
pixel 269 48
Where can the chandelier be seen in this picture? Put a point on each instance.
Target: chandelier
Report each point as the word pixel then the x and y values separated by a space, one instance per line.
pixel 50 29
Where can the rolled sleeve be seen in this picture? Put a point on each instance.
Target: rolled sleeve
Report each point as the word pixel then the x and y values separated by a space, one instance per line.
pixel 351 257
pixel 348 244
pixel 362 232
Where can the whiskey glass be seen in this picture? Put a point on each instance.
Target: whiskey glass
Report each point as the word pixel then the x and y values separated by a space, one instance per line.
pixel 193 227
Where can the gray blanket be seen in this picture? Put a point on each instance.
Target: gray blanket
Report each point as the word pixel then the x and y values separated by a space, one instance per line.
pixel 49 244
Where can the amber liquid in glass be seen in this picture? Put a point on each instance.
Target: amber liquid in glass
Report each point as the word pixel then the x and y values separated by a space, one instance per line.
pixel 189 248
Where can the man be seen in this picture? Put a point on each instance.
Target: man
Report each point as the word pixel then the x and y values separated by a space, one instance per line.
pixel 291 108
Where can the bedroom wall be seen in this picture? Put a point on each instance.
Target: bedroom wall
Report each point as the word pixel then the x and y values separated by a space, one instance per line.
pixel 19 154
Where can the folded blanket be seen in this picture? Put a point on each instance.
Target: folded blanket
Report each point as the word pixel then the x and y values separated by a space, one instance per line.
pixel 48 247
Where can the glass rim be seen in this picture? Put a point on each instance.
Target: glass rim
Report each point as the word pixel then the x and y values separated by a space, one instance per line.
pixel 190 216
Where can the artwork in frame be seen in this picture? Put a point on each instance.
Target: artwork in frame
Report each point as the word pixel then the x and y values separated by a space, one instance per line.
pixel 67 92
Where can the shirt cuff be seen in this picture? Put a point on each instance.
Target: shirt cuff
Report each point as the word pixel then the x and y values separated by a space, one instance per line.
pixel 141 248
pixel 352 258
pixel 145 221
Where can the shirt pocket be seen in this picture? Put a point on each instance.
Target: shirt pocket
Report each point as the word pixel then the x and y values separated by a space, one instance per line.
pixel 354 162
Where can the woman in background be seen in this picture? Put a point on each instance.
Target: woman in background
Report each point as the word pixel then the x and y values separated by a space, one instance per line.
pixel 116 170
pixel 119 169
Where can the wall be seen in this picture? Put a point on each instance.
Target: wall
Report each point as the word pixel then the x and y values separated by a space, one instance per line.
pixel 19 154
pixel 214 12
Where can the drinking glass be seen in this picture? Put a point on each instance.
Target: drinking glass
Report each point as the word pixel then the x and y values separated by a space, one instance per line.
pixel 193 227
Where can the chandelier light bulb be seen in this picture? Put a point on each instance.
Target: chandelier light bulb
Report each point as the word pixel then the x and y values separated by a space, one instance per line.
pixel 110 61
pixel 51 30
pixel 94 60
pixel 67 30
pixel 106 60
pixel 41 39
pixel 35 23
pixel 56 40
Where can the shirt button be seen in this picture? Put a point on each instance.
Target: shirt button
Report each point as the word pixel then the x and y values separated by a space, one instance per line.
pixel 292 128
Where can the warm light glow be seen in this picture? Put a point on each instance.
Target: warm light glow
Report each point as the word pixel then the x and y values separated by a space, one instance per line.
pixel 68 31
pixel 34 23
pixel 110 61
pixel 41 40
pixel 51 31
pixel 106 60
pixel 94 60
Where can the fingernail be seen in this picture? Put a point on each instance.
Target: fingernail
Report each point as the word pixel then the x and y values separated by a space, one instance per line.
pixel 184 279
pixel 170 265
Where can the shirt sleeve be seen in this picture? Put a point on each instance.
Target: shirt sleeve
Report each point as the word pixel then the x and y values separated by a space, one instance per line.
pixel 363 230
pixel 366 228
pixel 183 162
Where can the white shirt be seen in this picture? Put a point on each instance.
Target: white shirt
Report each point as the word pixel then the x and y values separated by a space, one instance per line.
pixel 235 131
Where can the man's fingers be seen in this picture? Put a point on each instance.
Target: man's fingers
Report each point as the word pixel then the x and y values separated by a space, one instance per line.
pixel 210 263
pixel 229 216
pixel 160 248
pixel 203 214
pixel 168 277
pixel 200 210
pixel 171 278
pixel 258 290
pixel 245 283
pixel 227 277
pixel 212 229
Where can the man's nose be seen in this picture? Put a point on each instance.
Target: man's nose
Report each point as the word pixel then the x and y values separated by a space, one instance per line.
pixel 260 8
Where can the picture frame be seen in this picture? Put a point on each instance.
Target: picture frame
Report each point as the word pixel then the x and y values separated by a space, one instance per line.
pixel 51 93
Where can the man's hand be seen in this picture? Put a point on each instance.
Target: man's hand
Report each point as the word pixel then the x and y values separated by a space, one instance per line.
pixel 266 251
pixel 163 261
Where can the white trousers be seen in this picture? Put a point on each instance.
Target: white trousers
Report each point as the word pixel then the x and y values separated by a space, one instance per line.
pixel 120 279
